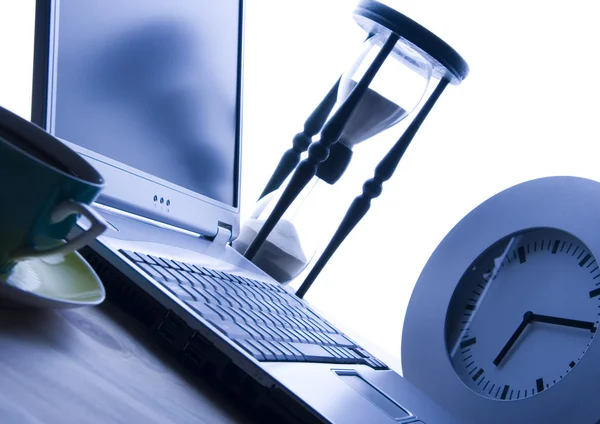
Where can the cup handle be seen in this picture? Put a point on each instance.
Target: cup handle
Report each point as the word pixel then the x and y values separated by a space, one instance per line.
pixel 62 211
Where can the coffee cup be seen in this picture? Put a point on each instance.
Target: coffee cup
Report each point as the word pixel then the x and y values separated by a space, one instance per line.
pixel 44 187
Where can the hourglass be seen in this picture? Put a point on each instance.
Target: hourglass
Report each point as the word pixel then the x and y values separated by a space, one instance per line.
pixel 387 81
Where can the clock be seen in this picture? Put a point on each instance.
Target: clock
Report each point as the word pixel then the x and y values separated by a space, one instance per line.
pixel 523 314
pixel 502 322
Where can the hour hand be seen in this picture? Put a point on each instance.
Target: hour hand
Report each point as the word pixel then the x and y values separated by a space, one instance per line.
pixel 527 318
pixel 586 325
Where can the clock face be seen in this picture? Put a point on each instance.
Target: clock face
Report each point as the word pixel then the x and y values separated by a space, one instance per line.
pixel 523 314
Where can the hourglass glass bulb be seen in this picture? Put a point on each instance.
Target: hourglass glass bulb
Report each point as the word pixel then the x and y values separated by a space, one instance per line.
pixel 394 93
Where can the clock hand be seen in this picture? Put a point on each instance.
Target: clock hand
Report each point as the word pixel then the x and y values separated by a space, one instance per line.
pixel 527 318
pixel 586 325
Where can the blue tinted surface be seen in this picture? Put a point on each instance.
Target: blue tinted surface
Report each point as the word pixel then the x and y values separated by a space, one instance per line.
pixel 152 84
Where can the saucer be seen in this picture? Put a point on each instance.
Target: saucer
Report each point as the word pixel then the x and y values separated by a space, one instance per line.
pixel 61 281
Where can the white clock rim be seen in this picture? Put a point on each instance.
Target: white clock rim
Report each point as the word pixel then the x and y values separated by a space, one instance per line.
pixel 567 203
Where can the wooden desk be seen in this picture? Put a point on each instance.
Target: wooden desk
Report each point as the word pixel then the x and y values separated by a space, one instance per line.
pixel 95 365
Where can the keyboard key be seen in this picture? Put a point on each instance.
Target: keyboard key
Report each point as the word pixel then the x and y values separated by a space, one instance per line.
pixel 200 294
pixel 132 256
pixel 256 335
pixel 290 355
pixel 269 356
pixel 281 334
pixel 159 261
pixel 166 276
pixel 171 264
pixel 231 329
pixel 206 311
pixel 150 270
pixel 313 353
pixel 194 278
pixel 362 352
pixel 273 335
pixel 183 266
pixel 297 353
pixel 220 274
pixel 341 352
pixel 177 275
pixel 180 292
pixel 375 364
pixel 278 353
pixel 146 258
pixel 210 272
pixel 213 298
pixel 321 337
pixel 335 353
pixel 340 340
pixel 350 353
pixel 301 337
pixel 251 349
pixel 290 334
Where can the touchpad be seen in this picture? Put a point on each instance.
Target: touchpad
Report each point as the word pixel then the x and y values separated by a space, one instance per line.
pixel 373 394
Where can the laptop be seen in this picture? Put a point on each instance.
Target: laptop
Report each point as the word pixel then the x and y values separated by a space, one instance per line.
pixel 150 92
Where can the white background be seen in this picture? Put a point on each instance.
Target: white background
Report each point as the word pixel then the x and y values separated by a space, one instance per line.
pixel 528 109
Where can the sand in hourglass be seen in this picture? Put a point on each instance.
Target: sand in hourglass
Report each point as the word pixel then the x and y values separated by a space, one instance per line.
pixel 281 256
pixel 372 115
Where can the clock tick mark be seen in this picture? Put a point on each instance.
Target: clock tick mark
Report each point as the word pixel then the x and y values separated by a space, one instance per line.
pixel 522 257
pixel 555 246
pixel 539 383
pixel 504 392
pixel 572 364
pixel 478 374
pixel 594 293
pixel 467 343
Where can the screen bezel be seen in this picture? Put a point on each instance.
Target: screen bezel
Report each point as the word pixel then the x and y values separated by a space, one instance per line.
pixel 136 190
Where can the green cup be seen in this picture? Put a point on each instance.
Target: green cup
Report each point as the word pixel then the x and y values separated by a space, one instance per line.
pixel 44 187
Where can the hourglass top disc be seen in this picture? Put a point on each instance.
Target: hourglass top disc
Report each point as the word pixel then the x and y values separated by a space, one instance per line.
pixel 375 17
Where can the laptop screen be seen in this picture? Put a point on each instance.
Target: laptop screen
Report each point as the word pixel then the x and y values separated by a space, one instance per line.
pixel 153 85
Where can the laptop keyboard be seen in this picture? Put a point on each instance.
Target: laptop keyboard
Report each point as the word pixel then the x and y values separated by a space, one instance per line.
pixel 264 319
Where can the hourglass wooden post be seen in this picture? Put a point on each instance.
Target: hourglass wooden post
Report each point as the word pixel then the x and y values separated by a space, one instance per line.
pixel 371 189
pixel 302 140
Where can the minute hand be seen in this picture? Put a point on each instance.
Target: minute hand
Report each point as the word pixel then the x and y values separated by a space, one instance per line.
pixel 586 325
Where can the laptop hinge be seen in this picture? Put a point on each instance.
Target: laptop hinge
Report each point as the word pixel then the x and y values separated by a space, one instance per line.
pixel 223 235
